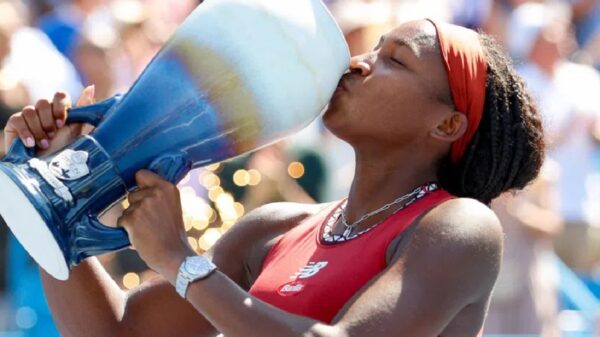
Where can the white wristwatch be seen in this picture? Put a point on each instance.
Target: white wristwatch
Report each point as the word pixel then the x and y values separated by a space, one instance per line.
pixel 193 268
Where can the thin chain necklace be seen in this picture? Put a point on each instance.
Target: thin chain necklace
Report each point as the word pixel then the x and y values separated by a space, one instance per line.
pixel 415 195
pixel 383 208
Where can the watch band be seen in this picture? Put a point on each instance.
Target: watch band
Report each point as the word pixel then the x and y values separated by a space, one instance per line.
pixel 192 269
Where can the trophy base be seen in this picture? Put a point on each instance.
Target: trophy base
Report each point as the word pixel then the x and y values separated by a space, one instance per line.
pixel 29 227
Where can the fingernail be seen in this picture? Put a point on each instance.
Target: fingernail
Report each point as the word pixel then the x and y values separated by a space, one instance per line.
pixel 29 142
pixel 44 143
pixel 64 102
pixel 91 91
pixel 51 135
pixel 60 123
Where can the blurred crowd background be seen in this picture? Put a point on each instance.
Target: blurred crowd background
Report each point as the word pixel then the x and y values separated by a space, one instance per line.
pixel 550 279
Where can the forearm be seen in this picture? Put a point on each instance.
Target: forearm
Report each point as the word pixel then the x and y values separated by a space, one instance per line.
pixel 235 313
pixel 90 303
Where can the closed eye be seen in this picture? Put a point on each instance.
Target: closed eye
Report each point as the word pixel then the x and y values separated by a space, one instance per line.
pixel 397 61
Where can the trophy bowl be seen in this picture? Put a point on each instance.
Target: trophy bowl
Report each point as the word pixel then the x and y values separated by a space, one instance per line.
pixel 236 76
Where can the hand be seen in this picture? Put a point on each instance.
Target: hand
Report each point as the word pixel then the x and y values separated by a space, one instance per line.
pixel 44 124
pixel 154 222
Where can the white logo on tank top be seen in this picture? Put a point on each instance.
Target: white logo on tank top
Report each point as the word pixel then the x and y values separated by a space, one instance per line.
pixel 309 270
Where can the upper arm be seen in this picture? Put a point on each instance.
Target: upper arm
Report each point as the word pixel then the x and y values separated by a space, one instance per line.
pixel 450 266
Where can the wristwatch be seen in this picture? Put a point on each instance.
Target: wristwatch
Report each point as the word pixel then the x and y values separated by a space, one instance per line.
pixel 193 268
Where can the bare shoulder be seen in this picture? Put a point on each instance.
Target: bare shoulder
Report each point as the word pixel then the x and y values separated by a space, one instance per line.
pixel 463 220
pixel 242 249
pixel 463 237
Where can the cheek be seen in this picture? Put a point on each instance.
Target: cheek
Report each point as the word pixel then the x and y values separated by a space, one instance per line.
pixel 396 102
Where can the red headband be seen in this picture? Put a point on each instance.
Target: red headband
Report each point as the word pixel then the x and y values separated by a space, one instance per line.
pixel 466 66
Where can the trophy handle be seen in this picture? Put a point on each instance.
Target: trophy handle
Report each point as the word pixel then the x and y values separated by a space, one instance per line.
pixel 172 166
pixel 18 153
pixel 92 238
pixel 91 114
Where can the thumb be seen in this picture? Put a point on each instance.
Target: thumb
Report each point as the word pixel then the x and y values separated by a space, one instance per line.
pixel 87 96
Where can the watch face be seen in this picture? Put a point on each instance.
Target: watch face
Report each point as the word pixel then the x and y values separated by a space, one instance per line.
pixel 195 265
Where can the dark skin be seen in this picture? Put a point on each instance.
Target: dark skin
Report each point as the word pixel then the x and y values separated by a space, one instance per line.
pixel 391 108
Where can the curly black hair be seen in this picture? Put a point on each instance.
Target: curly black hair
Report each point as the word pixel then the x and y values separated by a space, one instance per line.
pixel 508 149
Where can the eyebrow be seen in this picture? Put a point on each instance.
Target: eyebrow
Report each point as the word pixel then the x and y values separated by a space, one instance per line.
pixel 410 45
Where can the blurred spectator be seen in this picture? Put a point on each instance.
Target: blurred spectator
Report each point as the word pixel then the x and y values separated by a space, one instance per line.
pixel 170 14
pixel 363 22
pixel 471 13
pixel 525 299
pixel 96 67
pixel 567 94
pixel 34 60
pixel 12 95
pixel 12 92
pixel 38 8
pixel 140 37
pixel 586 19
pixel 64 25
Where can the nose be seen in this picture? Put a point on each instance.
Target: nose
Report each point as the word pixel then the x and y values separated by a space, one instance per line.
pixel 361 63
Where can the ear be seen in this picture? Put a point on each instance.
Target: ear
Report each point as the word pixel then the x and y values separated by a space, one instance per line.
pixel 451 128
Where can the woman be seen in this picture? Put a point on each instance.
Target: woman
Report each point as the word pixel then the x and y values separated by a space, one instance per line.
pixel 440 124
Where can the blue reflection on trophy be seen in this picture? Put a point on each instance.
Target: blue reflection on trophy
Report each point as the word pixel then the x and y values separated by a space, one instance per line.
pixel 236 76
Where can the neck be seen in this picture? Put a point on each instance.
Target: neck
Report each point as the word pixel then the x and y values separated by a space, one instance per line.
pixel 379 180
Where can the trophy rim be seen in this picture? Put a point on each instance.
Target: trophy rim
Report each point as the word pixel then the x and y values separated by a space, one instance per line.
pixel 28 226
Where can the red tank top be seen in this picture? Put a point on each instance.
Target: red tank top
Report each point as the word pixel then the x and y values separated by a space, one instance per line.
pixel 304 275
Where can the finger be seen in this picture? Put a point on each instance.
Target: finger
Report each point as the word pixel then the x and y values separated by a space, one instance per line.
pixel 145 179
pixel 137 196
pixel 16 127
pixel 44 109
pixel 60 104
pixel 127 219
pixel 87 96
pixel 123 220
pixel 35 126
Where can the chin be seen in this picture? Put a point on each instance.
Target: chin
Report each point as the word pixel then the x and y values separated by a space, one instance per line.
pixel 336 121
pixel 336 106
pixel 331 114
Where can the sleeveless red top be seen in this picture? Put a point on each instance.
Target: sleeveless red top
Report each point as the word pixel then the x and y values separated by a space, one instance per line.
pixel 304 275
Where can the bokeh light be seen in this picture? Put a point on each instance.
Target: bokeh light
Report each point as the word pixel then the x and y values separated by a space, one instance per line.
pixel 255 177
pixel 26 318
pixel 213 167
pixel 193 242
pixel 210 180
pixel 241 178
pixel 131 280
pixel 296 170
pixel 215 192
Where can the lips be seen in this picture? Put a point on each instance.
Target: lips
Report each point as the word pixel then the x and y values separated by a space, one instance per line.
pixel 343 84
